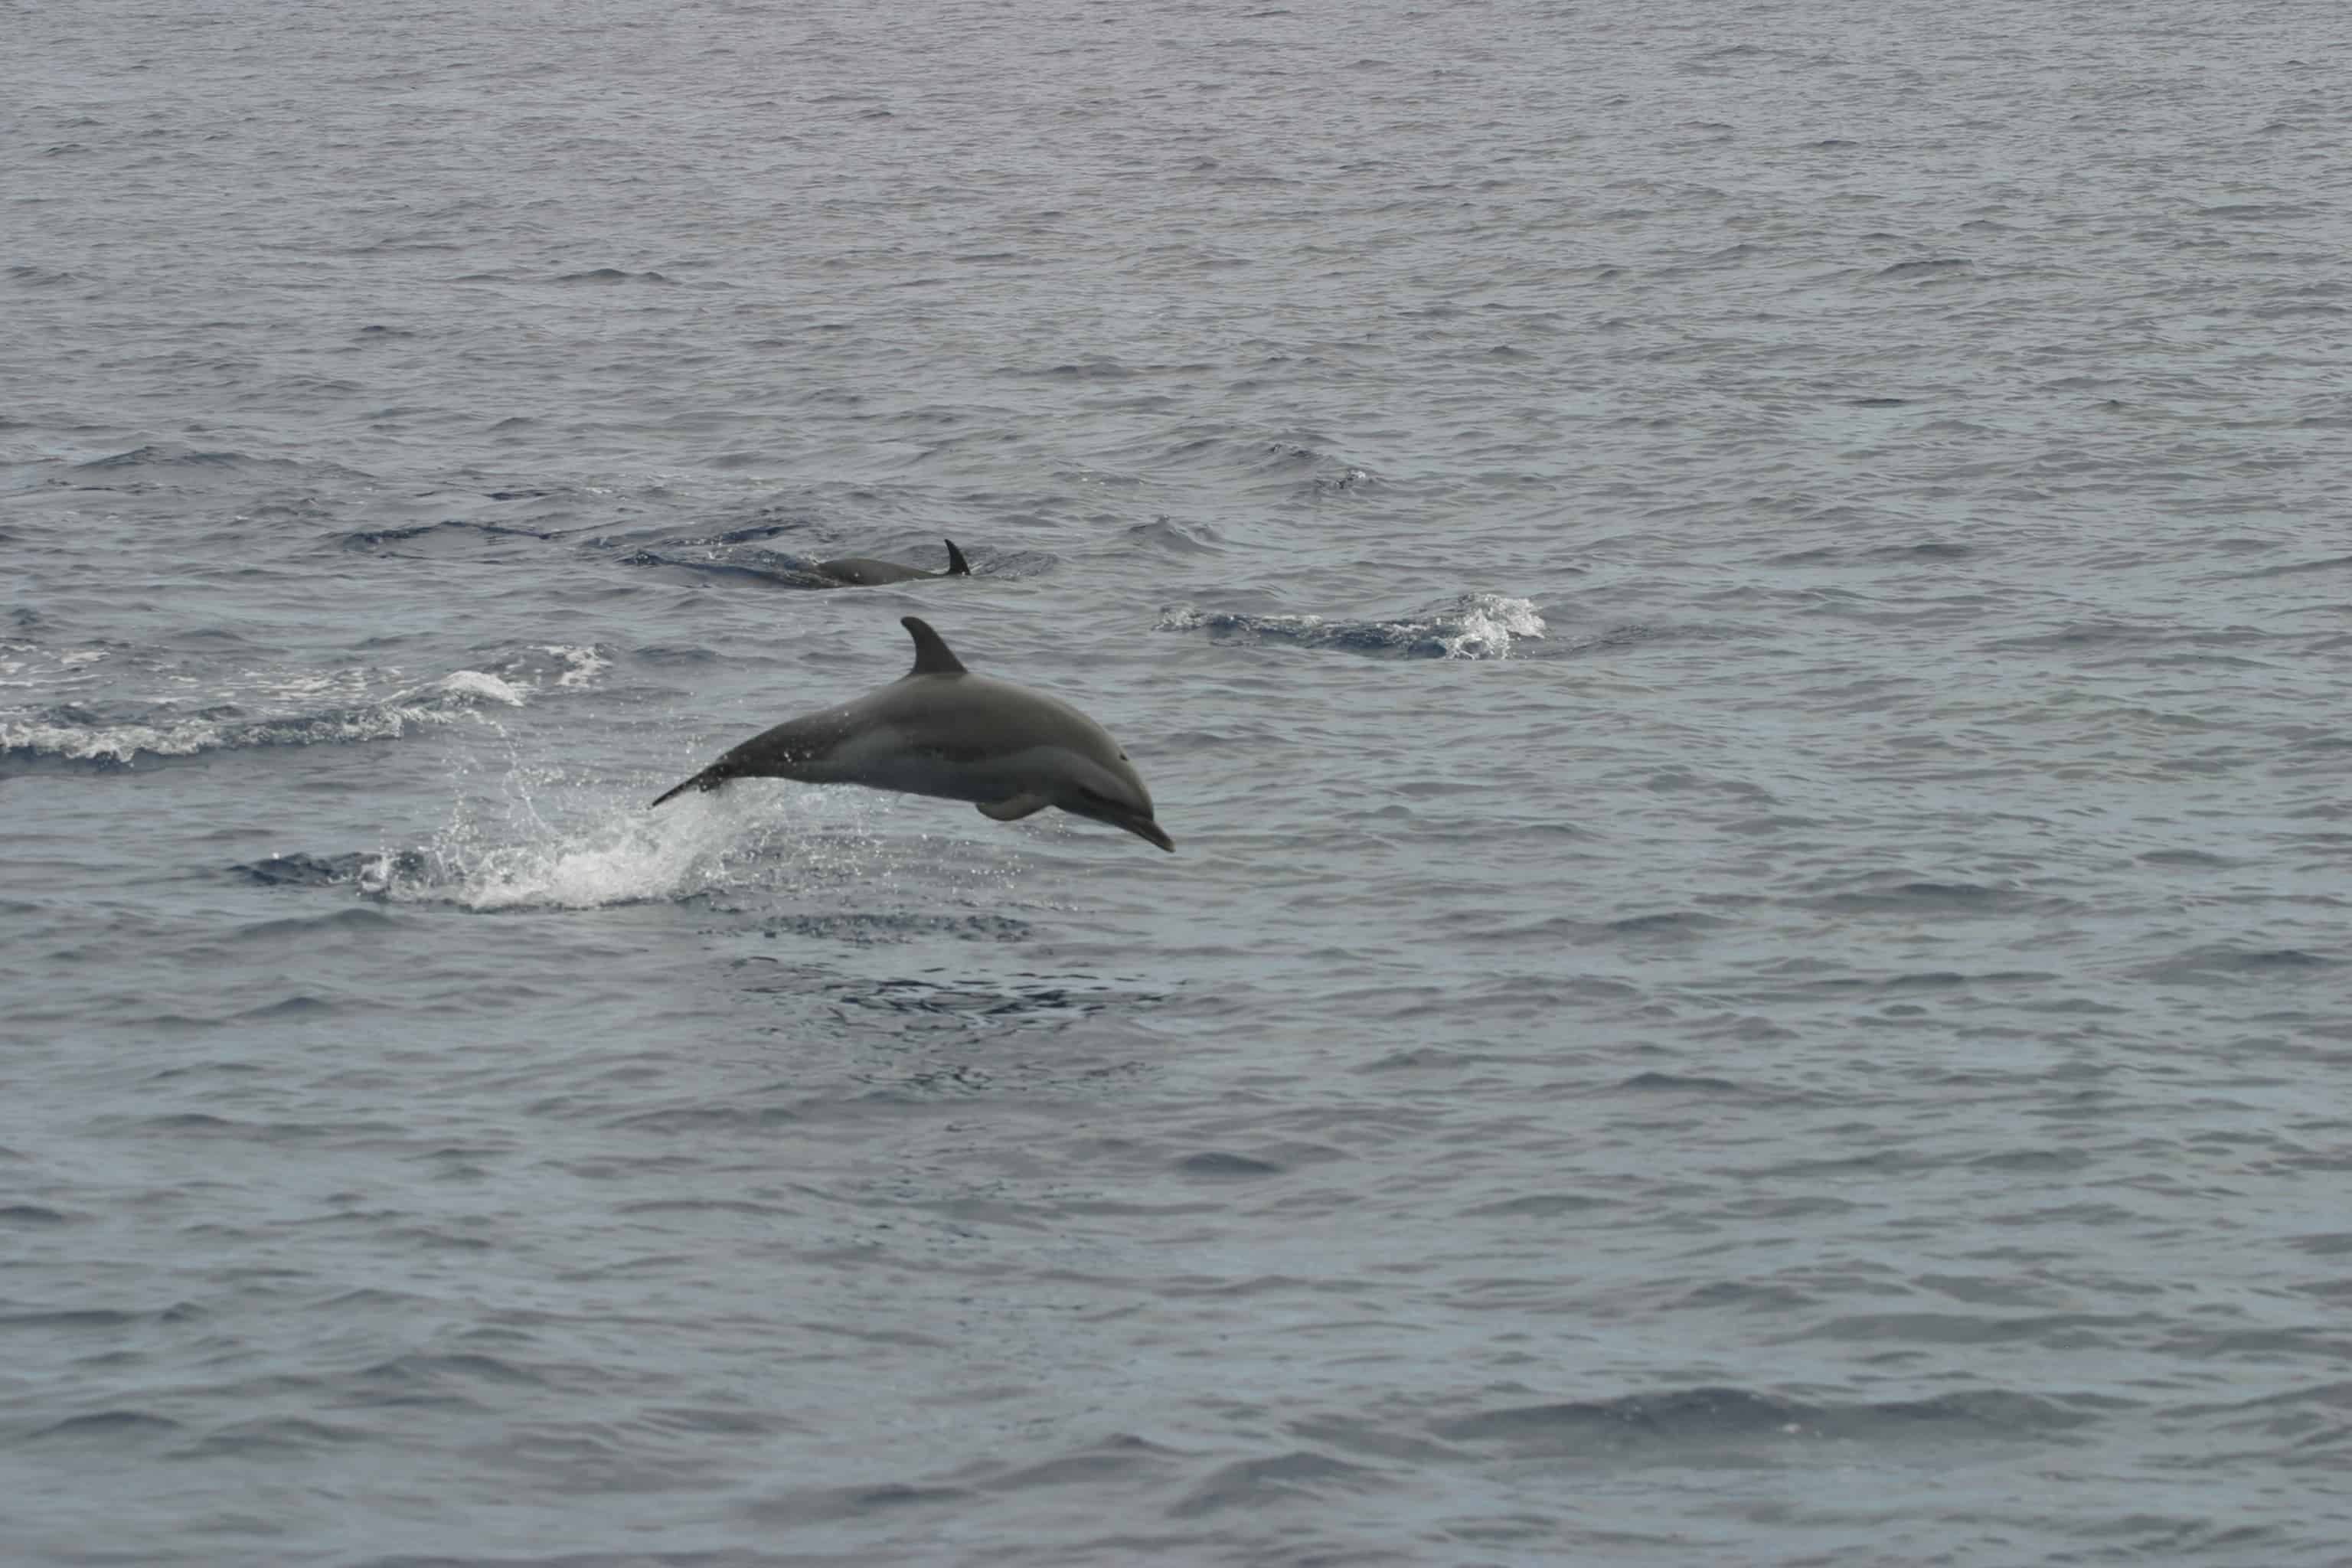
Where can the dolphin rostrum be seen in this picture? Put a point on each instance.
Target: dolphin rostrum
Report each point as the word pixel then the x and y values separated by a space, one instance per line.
pixel 863 571
pixel 940 729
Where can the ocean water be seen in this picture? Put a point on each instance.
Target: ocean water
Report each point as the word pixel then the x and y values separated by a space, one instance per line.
pixel 1740 614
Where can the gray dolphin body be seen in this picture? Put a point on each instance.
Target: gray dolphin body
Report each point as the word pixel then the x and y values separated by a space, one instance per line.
pixel 940 730
pixel 863 571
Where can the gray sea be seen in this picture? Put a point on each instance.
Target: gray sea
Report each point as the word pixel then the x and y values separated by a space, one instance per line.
pixel 1740 614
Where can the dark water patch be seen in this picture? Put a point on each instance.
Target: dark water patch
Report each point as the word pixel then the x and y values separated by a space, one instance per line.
pixel 271 1438
pixel 321 871
pixel 2298 568
pixel 1890 896
pixel 1928 270
pixel 1017 565
pixel 299 1006
pixel 1425 1058
pixel 31 1217
pixel 611 275
pixel 2094 634
pixel 1165 534
pixel 437 540
pixel 1065 1002
pixel 1664 924
pixel 371 924
pixel 706 1205
pixel 2034 1160
pixel 1679 1083
pixel 834 1505
pixel 1539 1206
pixel 2229 964
pixel 1115 1456
pixel 2200 859
pixel 1253 1485
pixel 164 455
pixel 748 533
pixel 1097 370
pixel 2069 1331
pixel 105 1426
pixel 1673 1422
pixel 1931 550
pixel 2254 212
pixel 73 1318
pixel 1219 1166
pixel 884 929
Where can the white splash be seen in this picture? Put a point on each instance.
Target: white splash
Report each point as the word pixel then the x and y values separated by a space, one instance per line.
pixel 454 697
pixel 582 665
pixel 598 851
pixel 295 707
pixel 1485 625
pixel 465 683
pixel 1473 625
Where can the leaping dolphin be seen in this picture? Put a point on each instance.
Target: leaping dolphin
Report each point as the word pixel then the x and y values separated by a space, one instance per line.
pixel 940 730
pixel 863 571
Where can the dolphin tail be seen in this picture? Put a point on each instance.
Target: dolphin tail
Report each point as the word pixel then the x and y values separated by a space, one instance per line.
pixel 708 779
pixel 957 565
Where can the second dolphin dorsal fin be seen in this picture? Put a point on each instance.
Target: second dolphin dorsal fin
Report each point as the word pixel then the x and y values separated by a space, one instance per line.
pixel 931 655
pixel 957 565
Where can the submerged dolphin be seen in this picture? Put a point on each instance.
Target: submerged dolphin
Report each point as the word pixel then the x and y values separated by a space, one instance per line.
pixel 940 729
pixel 862 572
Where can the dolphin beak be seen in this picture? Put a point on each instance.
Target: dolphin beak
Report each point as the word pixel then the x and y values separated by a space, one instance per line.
pixel 1136 822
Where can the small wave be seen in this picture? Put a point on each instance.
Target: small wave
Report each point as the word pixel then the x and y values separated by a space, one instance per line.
pixel 163 454
pixel 1474 626
pixel 77 734
pixel 1737 1415
pixel 1936 267
pixel 427 537
pixel 611 275
pixel 312 708
pixel 582 665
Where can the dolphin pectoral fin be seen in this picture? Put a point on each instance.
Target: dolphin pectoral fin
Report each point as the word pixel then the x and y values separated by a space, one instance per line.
pixel 1013 809
pixel 957 565
pixel 708 779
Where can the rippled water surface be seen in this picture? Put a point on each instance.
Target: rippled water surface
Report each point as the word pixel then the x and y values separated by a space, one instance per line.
pixel 1740 614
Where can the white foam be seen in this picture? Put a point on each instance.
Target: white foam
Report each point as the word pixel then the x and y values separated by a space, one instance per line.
pixel 466 683
pixel 1485 624
pixel 116 742
pixel 598 851
pixel 1474 626
pixel 583 664
pixel 454 697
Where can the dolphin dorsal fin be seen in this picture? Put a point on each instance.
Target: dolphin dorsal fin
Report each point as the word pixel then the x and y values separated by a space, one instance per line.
pixel 931 655
pixel 957 565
